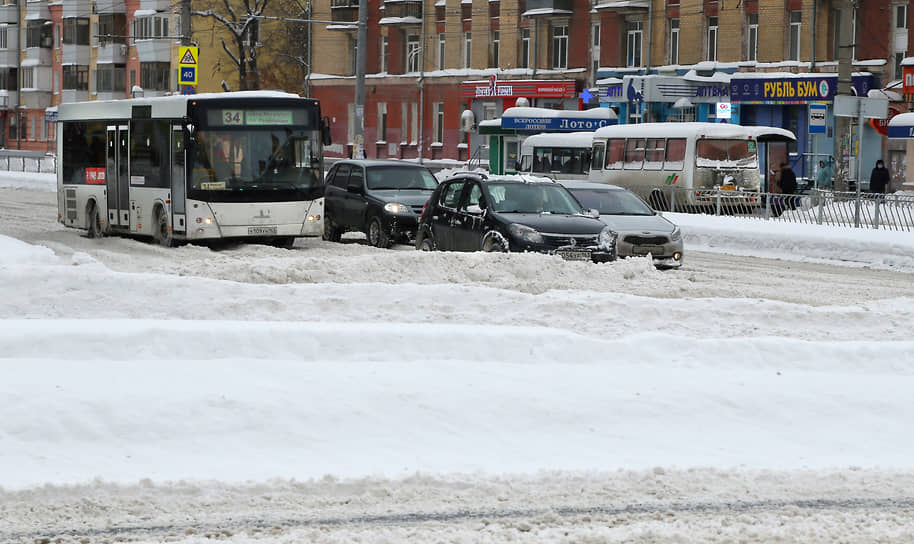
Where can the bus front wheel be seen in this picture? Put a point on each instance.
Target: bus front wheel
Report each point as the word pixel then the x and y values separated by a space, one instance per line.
pixel 162 232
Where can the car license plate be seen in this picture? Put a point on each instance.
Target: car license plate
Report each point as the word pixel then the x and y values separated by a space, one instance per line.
pixel 644 250
pixel 573 255
pixel 262 230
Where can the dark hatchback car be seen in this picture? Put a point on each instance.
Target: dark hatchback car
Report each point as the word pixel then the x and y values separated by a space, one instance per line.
pixel 475 212
pixel 382 198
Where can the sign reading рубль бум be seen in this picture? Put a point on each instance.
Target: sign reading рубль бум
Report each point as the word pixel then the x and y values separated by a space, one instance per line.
pixel 784 89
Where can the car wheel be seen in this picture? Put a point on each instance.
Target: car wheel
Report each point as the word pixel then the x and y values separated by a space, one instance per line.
pixel 376 235
pixel 426 244
pixel 494 243
pixel 332 233
pixel 94 222
pixel 162 231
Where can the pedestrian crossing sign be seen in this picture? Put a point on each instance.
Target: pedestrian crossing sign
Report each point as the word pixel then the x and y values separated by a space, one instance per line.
pixel 187 64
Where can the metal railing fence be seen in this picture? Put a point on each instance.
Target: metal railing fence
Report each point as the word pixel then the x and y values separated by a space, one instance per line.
pixel 25 161
pixel 821 207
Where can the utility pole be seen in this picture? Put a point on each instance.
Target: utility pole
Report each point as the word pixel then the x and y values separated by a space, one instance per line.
pixel 843 142
pixel 359 152
pixel 422 86
pixel 185 22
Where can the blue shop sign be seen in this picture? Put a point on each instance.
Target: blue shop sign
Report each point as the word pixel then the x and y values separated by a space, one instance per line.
pixel 792 90
pixel 555 124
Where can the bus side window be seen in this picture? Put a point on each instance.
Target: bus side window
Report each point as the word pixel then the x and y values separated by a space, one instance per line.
pixel 675 153
pixel 615 152
pixel 597 162
pixel 653 155
pixel 634 153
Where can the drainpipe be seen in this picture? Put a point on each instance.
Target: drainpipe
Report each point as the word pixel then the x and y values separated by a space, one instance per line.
pixel 812 45
pixel 422 86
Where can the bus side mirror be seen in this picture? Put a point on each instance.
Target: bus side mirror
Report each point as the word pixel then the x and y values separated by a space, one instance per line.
pixel 325 132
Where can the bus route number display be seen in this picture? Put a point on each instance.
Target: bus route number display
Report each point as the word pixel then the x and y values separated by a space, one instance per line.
pixel 256 117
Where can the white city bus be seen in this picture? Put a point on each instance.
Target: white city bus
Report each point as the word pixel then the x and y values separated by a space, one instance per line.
pixel 656 159
pixel 239 165
pixel 564 156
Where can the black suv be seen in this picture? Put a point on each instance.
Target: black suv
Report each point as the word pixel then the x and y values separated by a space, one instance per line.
pixel 382 198
pixel 475 212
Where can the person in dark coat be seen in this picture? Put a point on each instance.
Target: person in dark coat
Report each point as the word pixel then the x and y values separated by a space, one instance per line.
pixel 788 179
pixel 879 178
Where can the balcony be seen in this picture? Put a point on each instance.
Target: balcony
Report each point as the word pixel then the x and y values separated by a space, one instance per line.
pixel 8 99
pixel 153 50
pixel 9 14
pixel 37 56
pixel 156 5
pixel 37 10
pixel 75 54
pixel 9 58
pixel 402 12
pixel 69 96
pixel 76 8
pixel 548 8
pixel 110 6
pixel 112 53
pixel 623 7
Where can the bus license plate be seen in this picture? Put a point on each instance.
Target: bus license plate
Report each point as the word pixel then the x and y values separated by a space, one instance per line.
pixel 262 230
pixel 574 255
pixel 644 250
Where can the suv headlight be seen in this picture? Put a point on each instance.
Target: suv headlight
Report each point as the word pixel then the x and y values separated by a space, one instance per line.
pixel 525 233
pixel 396 207
pixel 676 234
pixel 607 238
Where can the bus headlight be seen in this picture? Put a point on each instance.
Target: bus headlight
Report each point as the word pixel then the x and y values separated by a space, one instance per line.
pixel 607 238
pixel 396 208
pixel 525 233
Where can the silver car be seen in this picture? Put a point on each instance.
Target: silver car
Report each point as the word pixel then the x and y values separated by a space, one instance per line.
pixel 642 231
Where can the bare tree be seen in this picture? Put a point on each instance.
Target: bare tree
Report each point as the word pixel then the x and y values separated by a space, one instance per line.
pixel 288 46
pixel 240 18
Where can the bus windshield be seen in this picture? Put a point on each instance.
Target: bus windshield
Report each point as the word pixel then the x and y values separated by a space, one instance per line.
pixel 268 159
pixel 567 160
pixel 715 153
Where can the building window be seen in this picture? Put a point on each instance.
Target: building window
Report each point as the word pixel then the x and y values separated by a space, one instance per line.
pixel 382 121
pixel 752 38
pixel 147 28
pixel 112 28
pixel 796 25
pixel 110 78
pixel 353 55
pixel 439 122
pixel 560 46
pixel 76 31
pixel 414 126
pixel 76 77
pixel 900 46
pixel 467 49
pixel 495 42
pixel 3 42
pixel 633 44
pixel 712 38
pixel 412 53
pixel 155 75
pixel 441 50
pixel 524 48
pixel 404 123
pixel 39 34
pixel 674 41
pixel 28 78
pixel 384 54
pixel 901 16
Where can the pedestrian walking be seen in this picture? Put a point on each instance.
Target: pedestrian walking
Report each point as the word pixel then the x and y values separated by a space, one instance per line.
pixel 879 178
pixel 824 176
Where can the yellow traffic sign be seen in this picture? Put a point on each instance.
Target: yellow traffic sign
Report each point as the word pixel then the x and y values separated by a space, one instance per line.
pixel 188 54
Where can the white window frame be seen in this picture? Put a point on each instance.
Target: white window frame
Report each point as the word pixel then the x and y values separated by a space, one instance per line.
pixel 752 36
pixel 560 46
pixel 384 45
pixel 634 40
pixel 467 49
pixel 595 48
pixel 525 47
pixel 441 50
pixel 495 45
pixel 438 120
pixel 382 122
pixel 404 123
pixel 414 125
pixel 796 33
pixel 412 53
pixel 712 38
pixel 674 40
